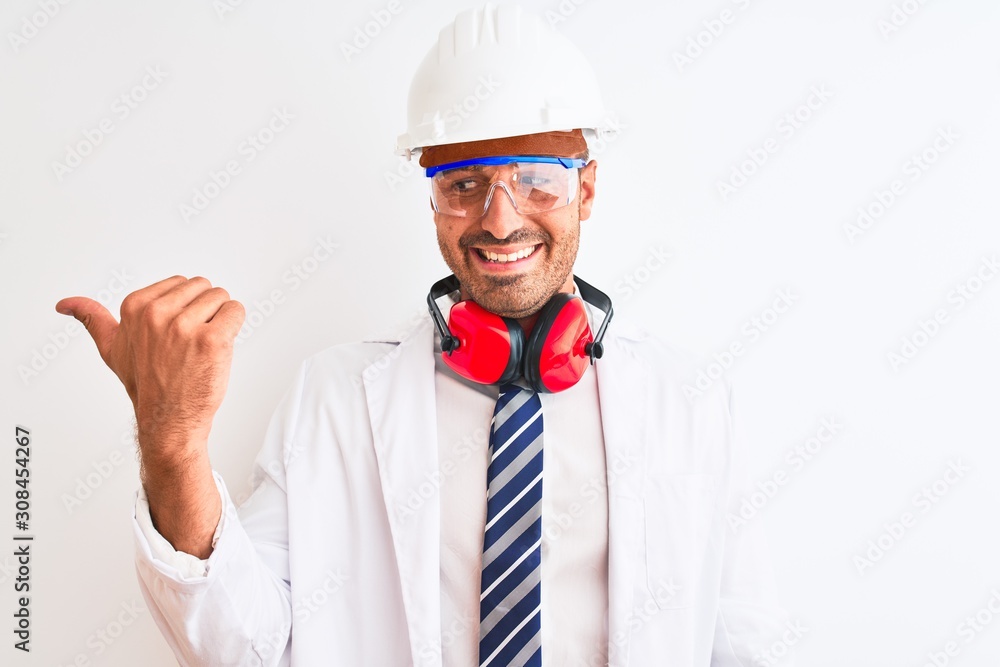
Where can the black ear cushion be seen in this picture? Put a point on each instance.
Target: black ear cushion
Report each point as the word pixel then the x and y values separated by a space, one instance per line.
pixel 516 357
pixel 539 333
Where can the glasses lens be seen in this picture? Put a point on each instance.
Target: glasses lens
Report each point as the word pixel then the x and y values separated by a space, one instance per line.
pixel 536 187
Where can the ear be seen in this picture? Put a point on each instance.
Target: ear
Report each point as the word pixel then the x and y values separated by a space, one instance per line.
pixel 588 179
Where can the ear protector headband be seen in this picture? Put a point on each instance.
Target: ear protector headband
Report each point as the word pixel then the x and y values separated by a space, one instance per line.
pixel 487 348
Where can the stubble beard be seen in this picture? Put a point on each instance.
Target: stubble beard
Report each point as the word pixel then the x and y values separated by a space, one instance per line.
pixel 523 294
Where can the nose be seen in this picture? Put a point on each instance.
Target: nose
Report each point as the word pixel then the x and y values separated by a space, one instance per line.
pixel 500 215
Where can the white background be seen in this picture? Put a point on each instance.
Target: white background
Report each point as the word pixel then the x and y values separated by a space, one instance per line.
pixel 685 128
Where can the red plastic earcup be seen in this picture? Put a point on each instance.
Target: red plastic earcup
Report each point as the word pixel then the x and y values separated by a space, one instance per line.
pixel 556 356
pixel 490 346
pixel 487 348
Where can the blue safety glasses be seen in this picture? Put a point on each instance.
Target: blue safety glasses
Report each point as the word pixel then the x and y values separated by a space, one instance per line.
pixel 534 183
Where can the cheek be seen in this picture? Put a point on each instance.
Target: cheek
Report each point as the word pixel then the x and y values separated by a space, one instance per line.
pixel 445 232
pixel 448 236
pixel 564 231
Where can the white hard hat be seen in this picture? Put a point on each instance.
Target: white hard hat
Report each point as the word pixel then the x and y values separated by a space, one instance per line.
pixel 500 72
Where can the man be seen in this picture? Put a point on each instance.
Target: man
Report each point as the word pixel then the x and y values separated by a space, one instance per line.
pixel 477 494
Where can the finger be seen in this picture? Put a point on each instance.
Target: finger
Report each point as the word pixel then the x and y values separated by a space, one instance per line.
pixel 163 286
pixel 204 306
pixel 99 322
pixel 230 318
pixel 137 300
pixel 182 294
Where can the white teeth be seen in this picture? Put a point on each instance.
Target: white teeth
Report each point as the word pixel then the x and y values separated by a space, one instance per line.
pixel 512 257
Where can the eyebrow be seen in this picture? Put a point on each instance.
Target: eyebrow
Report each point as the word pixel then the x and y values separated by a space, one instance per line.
pixel 468 167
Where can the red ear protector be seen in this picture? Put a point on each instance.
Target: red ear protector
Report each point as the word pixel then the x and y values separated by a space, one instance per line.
pixel 490 349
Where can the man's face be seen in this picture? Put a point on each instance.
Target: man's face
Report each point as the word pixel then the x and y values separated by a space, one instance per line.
pixel 520 288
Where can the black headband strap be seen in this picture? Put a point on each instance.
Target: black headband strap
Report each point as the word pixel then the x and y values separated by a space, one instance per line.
pixel 591 294
pixel 439 289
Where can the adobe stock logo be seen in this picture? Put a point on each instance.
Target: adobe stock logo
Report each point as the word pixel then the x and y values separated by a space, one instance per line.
pixel 562 13
pixel 223 7
pixel 703 40
pixel 296 275
pixel 967 630
pixel 897 528
pixel 121 108
pixel 899 17
pixel 779 650
pixel 914 168
pixel 363 35
pixel 634 280
pixel 43 356
pixel 30 26
pixel 787 126
pixel 753 501
pixel 249 149
pixel 752 330
pixel 929 328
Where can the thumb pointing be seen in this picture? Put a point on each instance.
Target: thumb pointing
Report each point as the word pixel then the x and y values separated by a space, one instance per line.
pixel 99 322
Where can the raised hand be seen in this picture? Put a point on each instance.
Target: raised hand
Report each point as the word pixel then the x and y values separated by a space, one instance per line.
pixel 172 351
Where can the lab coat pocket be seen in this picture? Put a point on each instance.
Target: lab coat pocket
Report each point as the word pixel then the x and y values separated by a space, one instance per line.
pixel 678 514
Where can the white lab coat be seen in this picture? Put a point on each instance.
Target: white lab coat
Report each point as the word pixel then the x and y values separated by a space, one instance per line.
pixel 329 546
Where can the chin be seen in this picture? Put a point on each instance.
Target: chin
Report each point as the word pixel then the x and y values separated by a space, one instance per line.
pixel 518 295
pixel 513 297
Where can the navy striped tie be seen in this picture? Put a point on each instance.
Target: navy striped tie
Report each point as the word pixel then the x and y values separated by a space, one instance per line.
pixel 510 603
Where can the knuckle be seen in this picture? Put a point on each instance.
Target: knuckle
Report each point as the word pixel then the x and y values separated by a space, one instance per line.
pixel 182 326
pixel 130 304
pixel 156 311
pixel 200 280
pixel 220 292
pixel 213 338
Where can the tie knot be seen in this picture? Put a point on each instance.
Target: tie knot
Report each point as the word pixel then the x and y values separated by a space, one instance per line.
pixel 513 396
pixel 509 388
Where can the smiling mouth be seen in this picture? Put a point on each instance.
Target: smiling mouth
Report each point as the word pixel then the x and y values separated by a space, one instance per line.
pixel 504 258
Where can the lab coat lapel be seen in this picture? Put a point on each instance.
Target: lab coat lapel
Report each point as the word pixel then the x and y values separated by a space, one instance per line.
pixel 623 390
pixel 399 391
